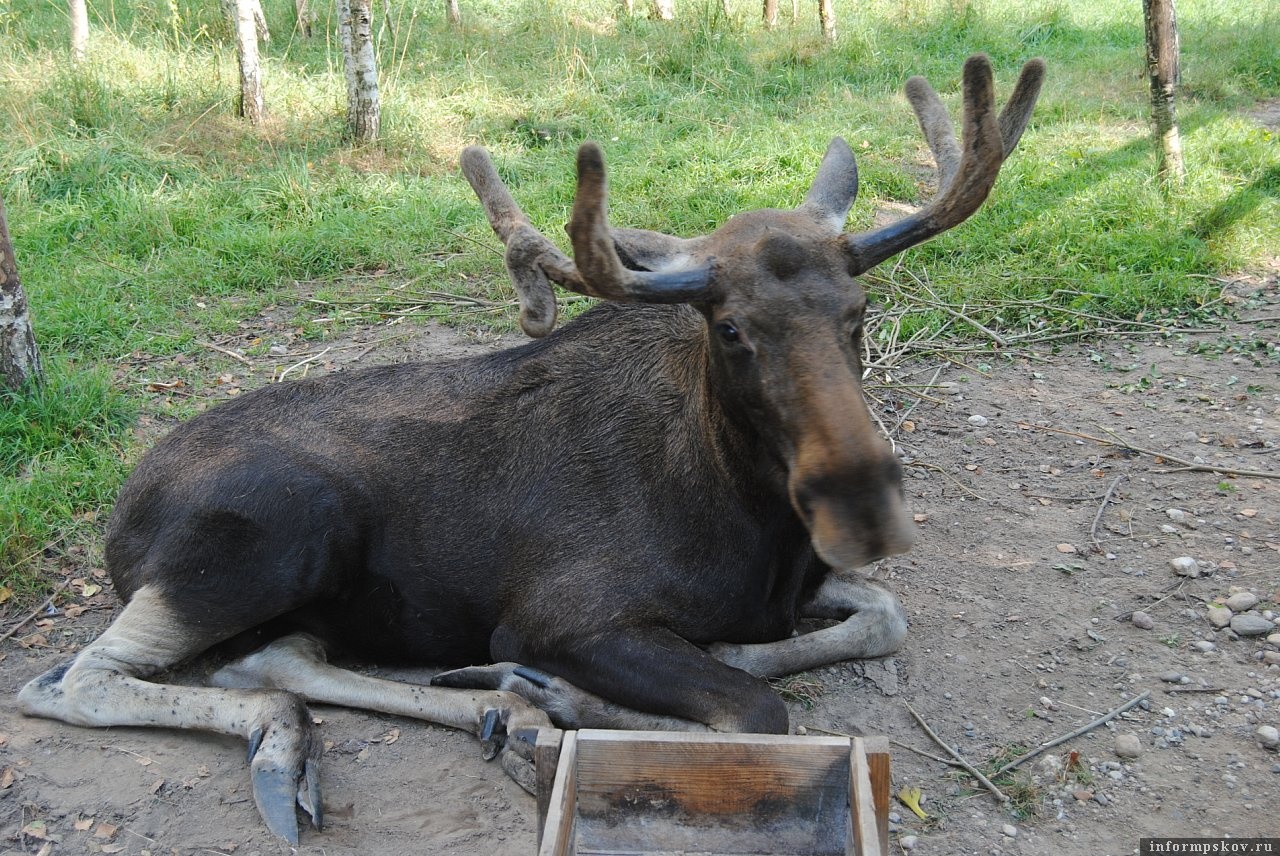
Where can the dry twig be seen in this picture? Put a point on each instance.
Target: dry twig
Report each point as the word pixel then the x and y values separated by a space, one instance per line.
pixel 15 628
pixel 1105 718
pixel 1097 518
pixel 969 768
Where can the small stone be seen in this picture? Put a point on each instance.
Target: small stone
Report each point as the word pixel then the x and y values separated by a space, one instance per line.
pixel 1101 798
pixel 1204 646
pixel 895 817
pixel 1268 736
pixel 1142 621
pixel 1185 566
pixel 278 350
pixel 1083 796
pixel 1271 658
pixel 978 421
pixel 801 730
pixel 1171 677
pixel 1219 616
pixel 1241 601
pixel 1177 515
pixel 1012 831
pixel 907 842
pixel 1251 624
pixel 1274 639
pixel 1128 746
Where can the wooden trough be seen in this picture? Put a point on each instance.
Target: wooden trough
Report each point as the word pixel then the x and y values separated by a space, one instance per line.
pixel 647 792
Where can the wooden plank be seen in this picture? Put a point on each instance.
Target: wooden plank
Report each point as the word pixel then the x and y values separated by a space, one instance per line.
pixel 880 769
pixel 546 759
pixel 864 836
pixel 562 810
pixel 657 791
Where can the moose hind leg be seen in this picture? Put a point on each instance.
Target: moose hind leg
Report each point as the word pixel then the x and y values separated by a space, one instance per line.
pixel 104 685
pixel 872 624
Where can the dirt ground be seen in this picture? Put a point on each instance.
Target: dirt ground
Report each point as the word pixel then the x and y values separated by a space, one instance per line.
pixel 1040 536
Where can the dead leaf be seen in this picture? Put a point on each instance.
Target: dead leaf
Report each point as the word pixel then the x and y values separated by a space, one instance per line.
pixel 38 830
pixel 74 611
pixel 1066 548
pixel 35 640
pixel 144 760
pixel 90 589
pixel 909 426
pixel 105 830
pixel 1244 512
pixel 5 593
pixel 391 736
pixel 362 755
pixel 6 779
pixel 113 848
pixel 83 824
pixel 156 786
pixel 202 771
pixel 919 518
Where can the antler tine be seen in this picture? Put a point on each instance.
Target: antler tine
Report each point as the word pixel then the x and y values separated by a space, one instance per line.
pixel 834 188
pixel 966 172
pixel 600 269
pixel 532 260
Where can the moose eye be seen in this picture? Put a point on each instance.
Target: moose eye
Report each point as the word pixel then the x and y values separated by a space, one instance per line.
pixel 728 332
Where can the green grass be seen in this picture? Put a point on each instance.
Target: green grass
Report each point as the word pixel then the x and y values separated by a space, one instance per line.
pixel 135 194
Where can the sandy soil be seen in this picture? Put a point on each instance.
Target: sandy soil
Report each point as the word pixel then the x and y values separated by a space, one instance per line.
pixel 1020 594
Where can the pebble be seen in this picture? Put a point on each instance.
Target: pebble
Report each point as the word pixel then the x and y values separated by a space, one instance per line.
pixel 1268 736
pixel 895 817
pixel 1128 746
pixel 1274 639
pixel 1185 566
pixel 1251 624
pixel 1204 646
pixel 278 350
pixel 1171 677
pixel 1012 831
pixel 1219 616
pixel 1142 621
pixel 1271 658
pixel 1177 515
pixel 1241 601
pixel 978 421
pixel 1101 798
pixel 907 842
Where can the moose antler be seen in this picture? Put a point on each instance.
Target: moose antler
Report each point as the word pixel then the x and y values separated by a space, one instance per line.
pixel 596 270
pixel 965 175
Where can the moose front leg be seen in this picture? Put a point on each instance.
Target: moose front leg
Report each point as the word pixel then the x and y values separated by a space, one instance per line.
pixel 641 677
pixel 872 624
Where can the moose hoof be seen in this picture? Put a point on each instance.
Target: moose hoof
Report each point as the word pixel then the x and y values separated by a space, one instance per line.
pixel 285 771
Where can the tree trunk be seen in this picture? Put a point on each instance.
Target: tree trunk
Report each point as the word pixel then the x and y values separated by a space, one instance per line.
pixel 355 20
pixel 770 14
pixel 664 10
pixel 1163 70
pixel 827 17
pixel 79 28
pixel 251 104
pixel 19 357
pixel 452 13
pixel 306 17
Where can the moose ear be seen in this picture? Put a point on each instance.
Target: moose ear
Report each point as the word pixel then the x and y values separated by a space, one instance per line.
pixel 835 187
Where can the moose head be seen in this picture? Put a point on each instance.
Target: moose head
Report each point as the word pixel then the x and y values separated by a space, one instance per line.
pixel 783 306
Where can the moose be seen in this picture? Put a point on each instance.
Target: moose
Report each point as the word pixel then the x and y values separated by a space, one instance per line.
pixel 619 524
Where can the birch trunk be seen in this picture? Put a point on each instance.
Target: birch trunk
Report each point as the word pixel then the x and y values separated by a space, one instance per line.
pixel 827 17
pixel 770 14
pixel 452 13
pixel 19 357
pixel 251 104
pixel 79 28
pixel 664 10
pixel 355 20
pixel 1164 73
pixel 306 17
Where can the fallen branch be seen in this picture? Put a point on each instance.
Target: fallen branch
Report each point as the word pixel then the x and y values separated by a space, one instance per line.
pixel 968 768
pixel 1105 718
pixel 15 628
pixel 1097 518
pixel 230 353
pixel 1185 465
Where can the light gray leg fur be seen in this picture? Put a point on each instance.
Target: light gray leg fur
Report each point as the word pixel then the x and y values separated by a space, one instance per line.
pixel 103 686
pixel 872 624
